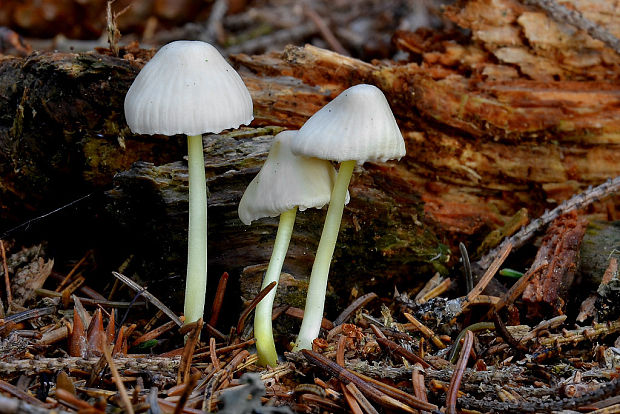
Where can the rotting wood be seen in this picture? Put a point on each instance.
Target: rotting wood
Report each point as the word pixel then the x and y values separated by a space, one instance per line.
pixel 483 140
pixel 549 288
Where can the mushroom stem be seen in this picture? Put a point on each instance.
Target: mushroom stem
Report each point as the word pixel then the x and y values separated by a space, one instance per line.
pixel 196 283
pixel 315 299
pixel 263 333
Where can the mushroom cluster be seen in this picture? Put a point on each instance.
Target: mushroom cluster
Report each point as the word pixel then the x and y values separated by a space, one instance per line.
pixel 285 183
pixel 189 88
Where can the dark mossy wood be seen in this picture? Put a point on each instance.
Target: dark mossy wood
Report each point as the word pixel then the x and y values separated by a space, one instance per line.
pixel 383 236
pixel 62 129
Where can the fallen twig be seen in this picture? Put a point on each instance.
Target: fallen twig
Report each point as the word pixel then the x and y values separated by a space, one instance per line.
pixel 142 291
pixel 343 375
pixel 576 202
pixel 118 380
pixel 16 392
pixel 324 29
pixel 15 406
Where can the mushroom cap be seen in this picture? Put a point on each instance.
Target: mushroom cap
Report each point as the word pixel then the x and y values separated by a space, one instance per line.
pixel 187 88
pixel 356 125
pixel 286 181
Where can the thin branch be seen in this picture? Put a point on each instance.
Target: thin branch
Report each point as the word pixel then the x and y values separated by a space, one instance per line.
pixel 574 203
pixel 15 406
pixel 563 14
pixel 156 302
pixel 324 29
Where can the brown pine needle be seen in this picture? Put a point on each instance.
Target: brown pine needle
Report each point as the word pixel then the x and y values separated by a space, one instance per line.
pixel 370 391
pixel 425 330
pixel 67 278
pixel 397 349
pixel 488 275
pixel 155 333
pixel 417 380
pixel 252 305
pixel 183 374
pixel 353 307
pixel 7 281
pixel 360 398
pixel 457 376
pixel 219 299
pixel 187 390
pixel 214 359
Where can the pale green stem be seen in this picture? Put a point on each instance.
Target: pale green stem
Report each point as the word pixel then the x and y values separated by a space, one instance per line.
pixel 196 283
pixel 263 333
pixel 315 300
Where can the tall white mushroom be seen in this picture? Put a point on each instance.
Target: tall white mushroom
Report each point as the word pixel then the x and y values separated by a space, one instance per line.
pixel 357 126
pixel 189 88
pixel 285 183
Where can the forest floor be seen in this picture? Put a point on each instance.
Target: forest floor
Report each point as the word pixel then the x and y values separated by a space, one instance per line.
pixel 71 344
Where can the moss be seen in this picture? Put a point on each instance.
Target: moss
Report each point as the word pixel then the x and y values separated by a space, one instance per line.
pixel 254 132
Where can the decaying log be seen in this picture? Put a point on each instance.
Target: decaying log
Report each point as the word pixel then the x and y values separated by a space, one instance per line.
pixel 383 232
pixel 475 150
pixel 62 129
pixel 541 47
pixel 492 123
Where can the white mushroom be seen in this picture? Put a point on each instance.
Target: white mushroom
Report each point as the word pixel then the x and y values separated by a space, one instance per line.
pixel 357 126
pixel 285 183
pixel 189 88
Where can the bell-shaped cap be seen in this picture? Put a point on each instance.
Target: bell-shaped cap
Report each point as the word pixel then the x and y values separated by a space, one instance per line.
pixel 357 125
pixel 187 88
pixel 286 181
